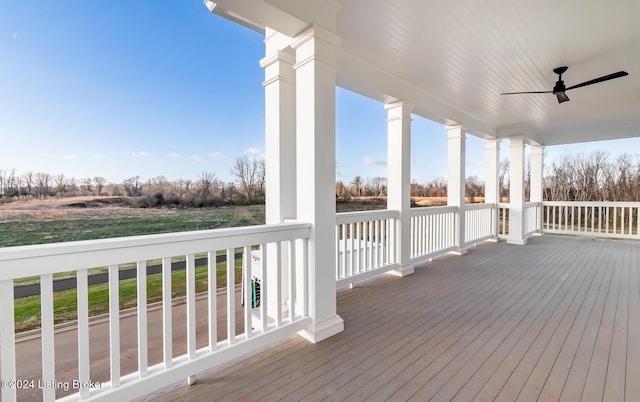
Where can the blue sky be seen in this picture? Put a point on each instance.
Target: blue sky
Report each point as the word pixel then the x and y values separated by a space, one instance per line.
pixel 167 89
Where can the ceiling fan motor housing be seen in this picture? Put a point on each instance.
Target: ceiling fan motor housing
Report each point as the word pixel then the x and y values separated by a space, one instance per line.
pixel 559 87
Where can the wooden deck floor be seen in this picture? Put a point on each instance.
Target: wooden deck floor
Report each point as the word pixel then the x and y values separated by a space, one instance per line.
pixel 557 319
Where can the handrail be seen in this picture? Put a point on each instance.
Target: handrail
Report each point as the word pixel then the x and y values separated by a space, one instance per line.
pixel 285 282
pixel 52 258
pixel 433 210
pixel 360 216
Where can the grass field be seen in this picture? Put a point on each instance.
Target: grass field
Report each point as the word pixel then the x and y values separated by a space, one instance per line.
pixel 37 226
pixel 27 310
pixel 56 220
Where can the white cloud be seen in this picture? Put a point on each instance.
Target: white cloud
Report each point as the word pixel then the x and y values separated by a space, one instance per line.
pixel 140 154
pixel 253 150
pixel 15 35
pixel 196 158
pixel 368 160
pixel 217 155
pixel 174 155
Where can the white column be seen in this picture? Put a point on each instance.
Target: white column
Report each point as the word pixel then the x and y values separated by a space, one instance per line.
pixel 492 180
pixel 399 180
pixel 537 182
pixel 280 127
pixel 280 149
pixel 316 165
pixel 456 180
pixel 516 191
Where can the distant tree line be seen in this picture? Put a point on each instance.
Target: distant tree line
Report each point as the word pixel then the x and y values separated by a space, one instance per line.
pixel 377 187
pixel 574 177
pixel 593 177
pixel 247 188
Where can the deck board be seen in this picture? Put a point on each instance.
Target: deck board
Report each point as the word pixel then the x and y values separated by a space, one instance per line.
pixel 556 319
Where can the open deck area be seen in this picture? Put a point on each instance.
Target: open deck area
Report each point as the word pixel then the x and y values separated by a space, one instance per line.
pixel 558 319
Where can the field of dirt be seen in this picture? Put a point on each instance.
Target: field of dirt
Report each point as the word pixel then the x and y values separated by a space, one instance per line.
pixel 61 208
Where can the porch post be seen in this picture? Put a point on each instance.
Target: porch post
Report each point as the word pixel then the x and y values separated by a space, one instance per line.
pixel 399 180
pixel 516 191
pixel 316 171
pixel 280 149
pixel 492 181
pixel 280 127
pixel 537 182
pixel 456 181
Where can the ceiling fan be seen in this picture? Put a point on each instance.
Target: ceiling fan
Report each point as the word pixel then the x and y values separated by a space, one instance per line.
pixel 559 89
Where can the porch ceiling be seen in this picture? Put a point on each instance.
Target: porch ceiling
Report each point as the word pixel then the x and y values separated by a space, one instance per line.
pixel 452 59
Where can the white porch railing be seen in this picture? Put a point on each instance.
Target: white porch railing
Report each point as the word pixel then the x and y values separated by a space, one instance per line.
pixel 531 212
pixel 479 222
pixel 503 220
pixel 46 260
pixel 432 232
pixel 598 219
pixel 365 244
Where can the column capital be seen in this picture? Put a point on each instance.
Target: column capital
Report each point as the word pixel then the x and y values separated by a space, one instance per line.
pixel 536 149
pixel 274 40
pixel 316 32
pixel 456 132
pixel 516 140
pixel 283 55
pixel 278 67
pixel 316 44
pixel 493 143
pixel 398 110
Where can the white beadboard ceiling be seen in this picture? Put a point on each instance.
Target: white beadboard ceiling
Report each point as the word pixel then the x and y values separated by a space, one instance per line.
pixel 452 59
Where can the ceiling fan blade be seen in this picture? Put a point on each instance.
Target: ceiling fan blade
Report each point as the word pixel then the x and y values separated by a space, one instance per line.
pixel 530 92
pixel 600 79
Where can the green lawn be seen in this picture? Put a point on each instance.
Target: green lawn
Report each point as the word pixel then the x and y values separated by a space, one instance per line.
pixel 27 310
pixel 101 223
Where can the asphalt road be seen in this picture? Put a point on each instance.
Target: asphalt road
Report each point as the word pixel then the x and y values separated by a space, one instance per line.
pixel 29 349
pixel 71 283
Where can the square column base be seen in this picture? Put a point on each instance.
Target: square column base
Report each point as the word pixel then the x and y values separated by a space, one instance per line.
pixel 519 242
pixel 319 331
pixel 460 251
pixel 404 270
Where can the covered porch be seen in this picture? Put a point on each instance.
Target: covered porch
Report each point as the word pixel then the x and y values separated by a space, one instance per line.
pixel 555 320
pixel 542 317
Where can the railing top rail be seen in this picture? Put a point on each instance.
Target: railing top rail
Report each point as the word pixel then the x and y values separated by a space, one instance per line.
pixel 22 261
pixel 360 216
pixel 480 205
pixel 528 204
pixel 433 210
pixel 591 204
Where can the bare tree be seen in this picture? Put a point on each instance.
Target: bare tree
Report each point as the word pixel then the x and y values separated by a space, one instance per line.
pixel 473 187
pixel 503 178
pixel 42 182
pixel 28 179
pixel 247 172
pixel 357 185
pixel 60 184
pixel 132 186
pixel 99 183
